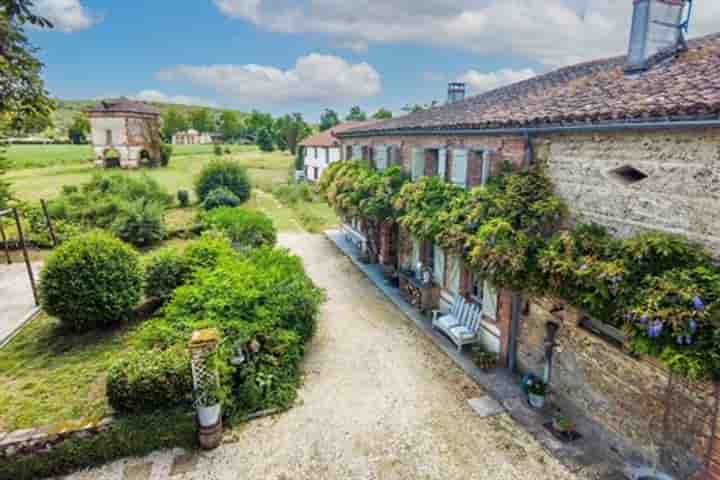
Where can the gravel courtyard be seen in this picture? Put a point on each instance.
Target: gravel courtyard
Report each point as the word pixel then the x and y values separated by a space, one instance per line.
pixel 380 401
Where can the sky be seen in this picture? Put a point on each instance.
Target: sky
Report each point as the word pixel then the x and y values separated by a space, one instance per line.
pixel 304 56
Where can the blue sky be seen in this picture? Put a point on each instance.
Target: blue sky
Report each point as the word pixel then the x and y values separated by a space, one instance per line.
pixel 306 55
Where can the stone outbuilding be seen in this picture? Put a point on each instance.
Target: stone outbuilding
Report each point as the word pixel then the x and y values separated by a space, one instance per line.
pixel 193 137
pixel 125 133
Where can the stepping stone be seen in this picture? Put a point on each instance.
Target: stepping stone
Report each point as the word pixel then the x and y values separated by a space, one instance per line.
pixel 184 463
pixel 486 406
pixel 139 471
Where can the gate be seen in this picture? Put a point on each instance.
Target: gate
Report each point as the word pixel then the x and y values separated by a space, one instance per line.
pixel 14 214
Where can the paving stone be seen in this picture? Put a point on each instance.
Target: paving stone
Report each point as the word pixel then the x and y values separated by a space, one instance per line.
pixel 486 406
pixel 139 471
pixel 184 463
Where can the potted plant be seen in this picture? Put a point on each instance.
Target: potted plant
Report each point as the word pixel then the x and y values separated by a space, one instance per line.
pixel 536 389
pixel 208 407
pixel 563 425
pixel 485 360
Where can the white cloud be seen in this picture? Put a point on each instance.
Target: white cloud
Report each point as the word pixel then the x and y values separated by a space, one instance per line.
pixel 66 15
pixel 554 32
pixel 157 96
pixel 314 78
pixel 482 82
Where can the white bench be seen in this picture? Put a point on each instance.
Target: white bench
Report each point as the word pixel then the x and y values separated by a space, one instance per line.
pixel 461 324
pixel 355 237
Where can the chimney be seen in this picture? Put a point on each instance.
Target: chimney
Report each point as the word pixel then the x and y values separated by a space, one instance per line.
pixel 456 92
pixel 656 33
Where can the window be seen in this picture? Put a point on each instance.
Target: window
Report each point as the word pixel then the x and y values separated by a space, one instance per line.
pixel 490 301
pixel 356 152
pixel 484 166
pixel 108 137
pixel 477 285
pixel 442 163
pixel 418 163
pixel 381 157
pixel 459 168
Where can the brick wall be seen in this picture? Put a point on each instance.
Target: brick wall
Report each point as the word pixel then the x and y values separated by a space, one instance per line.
pixel 644 410
pixel 680 194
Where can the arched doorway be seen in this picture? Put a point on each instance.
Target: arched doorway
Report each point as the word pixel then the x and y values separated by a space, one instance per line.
pixel 111 158
pixel 145 159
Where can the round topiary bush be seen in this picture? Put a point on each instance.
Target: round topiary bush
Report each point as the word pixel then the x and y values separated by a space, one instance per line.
pixel 223 173
pixel 221 197
pixel 164 272
pixel 140 223
pixel 243 227
pixel 91 281
pixel 150 380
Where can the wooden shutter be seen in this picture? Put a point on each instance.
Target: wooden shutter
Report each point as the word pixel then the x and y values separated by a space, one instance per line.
pixel 442 163
pixel 490 301
pixel 453 274
pixel 439 266
pixel 459 168
pixel 418 163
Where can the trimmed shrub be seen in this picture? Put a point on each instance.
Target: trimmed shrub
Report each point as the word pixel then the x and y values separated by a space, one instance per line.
pixel 244 228
pixel 218 150
pixel 165 154
pixel 221 197
pixel 208 251
pixel 164 272
pixel 69 189
pixel 140 223
pixel 183 198
pixel 150 380
pixel 223 173
pixel 91 281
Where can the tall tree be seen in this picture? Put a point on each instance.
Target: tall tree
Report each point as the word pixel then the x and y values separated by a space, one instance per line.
pixel 382 114
pixel 201 120
pixel 257 121
pixel 328 119
pixel 291 129
pixel 79 129
pixel 265 140
pixel 356 115
pixel 229 125
pixel 173 122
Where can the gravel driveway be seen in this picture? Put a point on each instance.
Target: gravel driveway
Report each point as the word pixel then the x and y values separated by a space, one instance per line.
pixel 380 401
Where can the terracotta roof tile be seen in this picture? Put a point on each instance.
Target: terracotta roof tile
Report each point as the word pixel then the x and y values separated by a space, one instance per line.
pixel 123 105
pixel 599 91
pixel 328 139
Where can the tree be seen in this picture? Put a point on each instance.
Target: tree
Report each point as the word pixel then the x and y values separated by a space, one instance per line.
pixel 5 194
pixel 173 122
pixel 328 119
pixel 265 140
pixel 257 121
pixel 383 114
pixel 201 120
pixel 356 115
pixel 79 129
pixel 23 99
pixel 418 107
pixel 229 125
pixel 290 130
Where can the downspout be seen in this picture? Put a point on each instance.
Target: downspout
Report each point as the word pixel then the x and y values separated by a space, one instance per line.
pixel 515 301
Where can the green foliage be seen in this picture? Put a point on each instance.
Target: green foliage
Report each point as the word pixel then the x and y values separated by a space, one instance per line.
pixel 79 129
pixel 218 150
pixel 220 197
pixel 91 281
pixel 293 194
pixel 183 198
pixel 208 251
pixel 289 131
pixel 245 228
pixel 382 114
pixel 420 203
pixel 165 154
pixel 5 194
pixel 223 173
pixel 144 381
pixel 356 115
pixel 140 223
pixel 173 122
pixel 328 119
pixel 202 120
pixel 265 140
pixel 128 436
pixel 230 125
pixel 164 272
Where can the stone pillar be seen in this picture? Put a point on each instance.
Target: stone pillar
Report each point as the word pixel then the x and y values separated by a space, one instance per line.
pixel 206 382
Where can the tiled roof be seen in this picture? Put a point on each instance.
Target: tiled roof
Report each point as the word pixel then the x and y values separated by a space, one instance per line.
pixel 328 139
pixel 684 86
pixel 123 105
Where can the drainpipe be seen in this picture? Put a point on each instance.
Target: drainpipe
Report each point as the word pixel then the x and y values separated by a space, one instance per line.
pixel 515 301
pixel 551 329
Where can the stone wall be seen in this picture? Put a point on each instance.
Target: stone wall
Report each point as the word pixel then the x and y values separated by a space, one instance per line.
pixel 681 193
pixel 131 135
pixel 644 412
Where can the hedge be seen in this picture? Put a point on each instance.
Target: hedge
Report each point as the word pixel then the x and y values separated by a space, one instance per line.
pixel 245 228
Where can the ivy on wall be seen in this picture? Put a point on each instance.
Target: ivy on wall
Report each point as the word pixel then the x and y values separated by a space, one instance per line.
pixel 661 289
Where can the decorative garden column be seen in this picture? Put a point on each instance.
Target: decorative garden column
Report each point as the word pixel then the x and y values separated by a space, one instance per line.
pixel 206 382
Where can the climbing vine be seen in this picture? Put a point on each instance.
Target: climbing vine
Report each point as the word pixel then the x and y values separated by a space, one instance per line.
pixel 661 289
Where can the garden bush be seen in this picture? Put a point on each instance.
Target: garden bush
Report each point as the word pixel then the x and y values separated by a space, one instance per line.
pixel 140 223
pixel 183 198
pixel 223 173
pixel 293 194
pixel 244 228
pixel 218 150
pixel 221 197
pixel 165 271
pixel 165 154
pixel 206 252
pixel 91 281
pixel 150 380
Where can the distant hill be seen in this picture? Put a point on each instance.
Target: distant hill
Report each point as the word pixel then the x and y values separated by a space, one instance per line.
pixel 62 117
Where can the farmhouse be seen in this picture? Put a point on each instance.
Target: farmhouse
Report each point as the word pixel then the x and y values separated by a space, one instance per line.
pixel 322 149
pixel 193 137
pixel 631 143
pixel 124 133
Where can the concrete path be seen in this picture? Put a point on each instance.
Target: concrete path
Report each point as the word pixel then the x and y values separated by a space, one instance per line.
pixel 16 297
pixel 379 401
